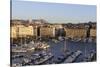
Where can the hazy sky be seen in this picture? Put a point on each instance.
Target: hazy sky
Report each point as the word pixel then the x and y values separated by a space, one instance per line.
pixel 53 12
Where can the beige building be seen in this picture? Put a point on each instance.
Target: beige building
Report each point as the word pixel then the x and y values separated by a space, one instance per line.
pixel 92 32
pixel 72 33
pixel 47 31
pixel 25 31
pixel 13 32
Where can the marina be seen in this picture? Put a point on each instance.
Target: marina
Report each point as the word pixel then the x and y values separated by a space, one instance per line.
pixel 63 51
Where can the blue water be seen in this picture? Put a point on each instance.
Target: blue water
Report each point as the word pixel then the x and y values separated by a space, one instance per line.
pixel 85 47
pixel 57 49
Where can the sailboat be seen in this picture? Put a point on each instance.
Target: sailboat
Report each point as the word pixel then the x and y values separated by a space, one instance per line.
pixel 68 56
pixel 65 54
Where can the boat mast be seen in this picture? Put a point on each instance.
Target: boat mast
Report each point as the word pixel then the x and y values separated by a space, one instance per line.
pixel 65 47
pixel 85 51
pixel 25 41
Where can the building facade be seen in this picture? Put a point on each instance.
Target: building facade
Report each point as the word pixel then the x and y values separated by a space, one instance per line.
pixel 75 33
pixel 47 32
pixel 92 32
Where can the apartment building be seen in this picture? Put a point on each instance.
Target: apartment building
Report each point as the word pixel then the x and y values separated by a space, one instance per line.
pixel 47 31
pixel 75 33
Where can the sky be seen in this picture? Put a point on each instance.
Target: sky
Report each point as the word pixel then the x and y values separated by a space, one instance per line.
pixel 53 12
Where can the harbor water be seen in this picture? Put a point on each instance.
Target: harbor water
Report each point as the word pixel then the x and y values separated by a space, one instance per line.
pixel 57 49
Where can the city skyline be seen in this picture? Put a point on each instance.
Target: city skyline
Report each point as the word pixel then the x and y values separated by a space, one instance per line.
pixel 53 12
